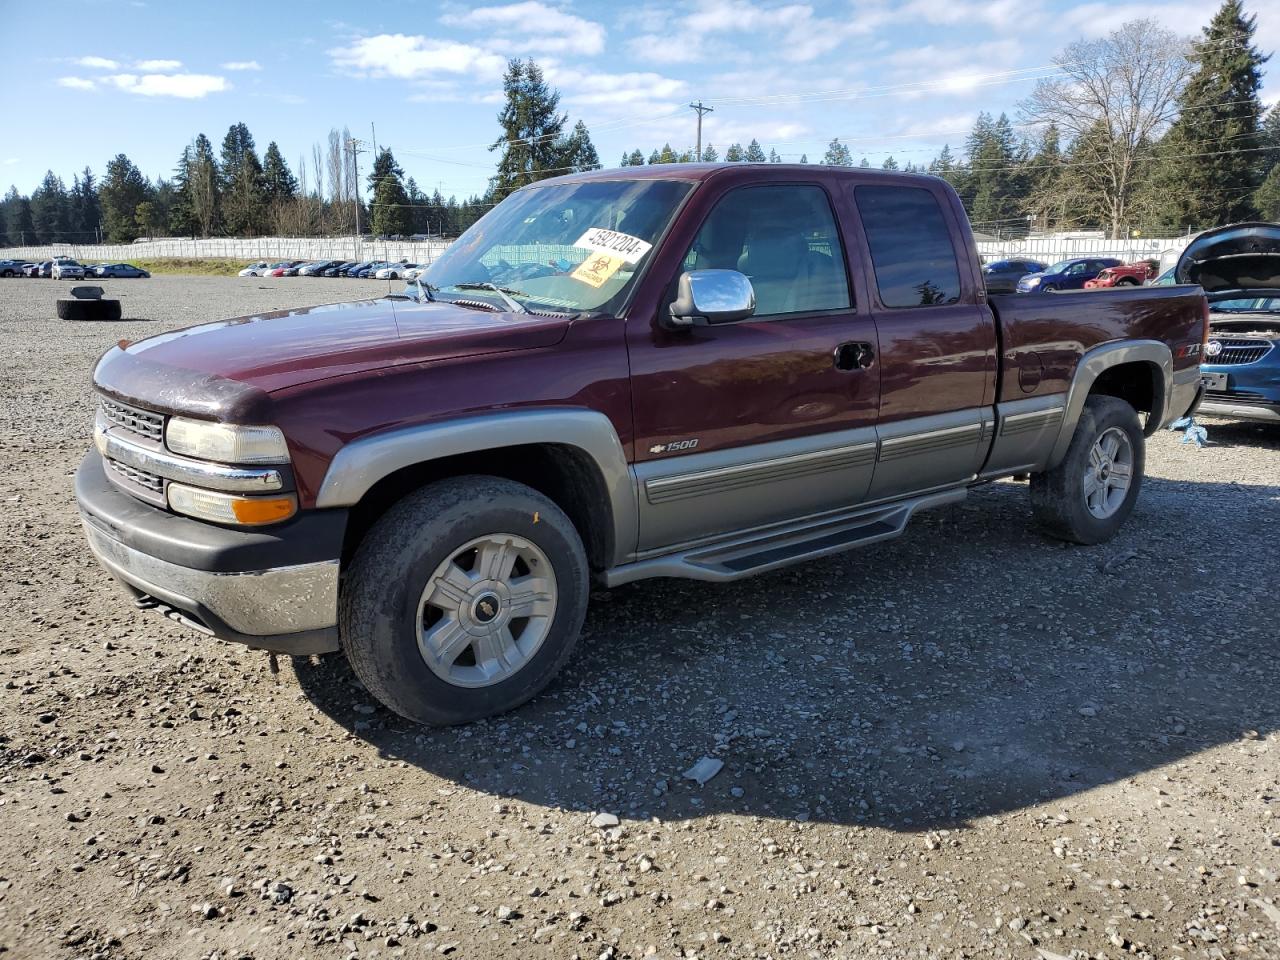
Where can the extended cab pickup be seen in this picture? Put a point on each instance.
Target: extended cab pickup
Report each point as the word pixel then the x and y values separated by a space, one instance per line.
pixel 703 371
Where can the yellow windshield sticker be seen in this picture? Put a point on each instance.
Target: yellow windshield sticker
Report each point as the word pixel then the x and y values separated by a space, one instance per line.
pixel 598 268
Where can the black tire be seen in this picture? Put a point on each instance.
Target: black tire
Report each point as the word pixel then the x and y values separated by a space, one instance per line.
pixel 1058 495
pixel 89 310
pixel 8 273
pixel 1126 282
pixel 1048 288
pixel 379 605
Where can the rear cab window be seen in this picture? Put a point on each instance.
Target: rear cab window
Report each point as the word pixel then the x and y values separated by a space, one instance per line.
pixel 912 253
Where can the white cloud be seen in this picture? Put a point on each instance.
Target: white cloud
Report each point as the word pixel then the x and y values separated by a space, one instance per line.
pixel 188 86
pixel 406 57
pixel 1099 19
pixel 98 63
pixel 157 66
pixel 242 65
pixel 534 25
pixel 77 83
pixel 615 88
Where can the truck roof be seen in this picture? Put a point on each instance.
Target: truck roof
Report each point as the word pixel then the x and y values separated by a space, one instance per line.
pixel 754 172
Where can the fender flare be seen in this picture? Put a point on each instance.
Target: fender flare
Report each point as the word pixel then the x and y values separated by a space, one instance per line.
pixel 1092 365
pixel 363 462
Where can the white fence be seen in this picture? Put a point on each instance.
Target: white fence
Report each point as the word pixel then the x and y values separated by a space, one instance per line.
pixel 260 248
pixel 1045 249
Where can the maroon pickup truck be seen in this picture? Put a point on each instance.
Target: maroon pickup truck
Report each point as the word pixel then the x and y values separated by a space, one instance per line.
pixel 685 371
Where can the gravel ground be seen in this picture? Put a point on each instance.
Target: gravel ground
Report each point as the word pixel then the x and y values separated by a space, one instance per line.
pixel 968 742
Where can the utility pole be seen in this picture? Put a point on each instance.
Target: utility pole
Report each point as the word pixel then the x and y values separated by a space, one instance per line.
pixel 700 110
pixel 354 146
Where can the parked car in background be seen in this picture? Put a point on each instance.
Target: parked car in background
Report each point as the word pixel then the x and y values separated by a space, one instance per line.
pixel 1238 266
pixel 351 269
pixel 1126 275
pixel 316 268
pixel 44 270
pixel 31 269
pixel 1066 275
pixel 123 271
pixel 12 268
pixel 254 269
pixel 278 269
pixel 412 273
pixel 67 270
pixel 338 267
pixel 292 271
pixel 1002 276
pixel 396 271
pixel 369 269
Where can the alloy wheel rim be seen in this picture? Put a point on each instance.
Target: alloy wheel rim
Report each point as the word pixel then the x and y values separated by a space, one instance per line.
pixel 486 610
pixel 1108 473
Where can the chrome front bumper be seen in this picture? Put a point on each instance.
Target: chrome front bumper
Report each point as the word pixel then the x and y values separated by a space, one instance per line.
pixel 290 609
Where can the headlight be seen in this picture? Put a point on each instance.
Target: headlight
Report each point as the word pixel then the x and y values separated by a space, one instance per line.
pixel 229 507
pixel 225 442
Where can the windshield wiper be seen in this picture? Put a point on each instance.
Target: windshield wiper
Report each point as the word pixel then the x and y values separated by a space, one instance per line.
pixel 504 292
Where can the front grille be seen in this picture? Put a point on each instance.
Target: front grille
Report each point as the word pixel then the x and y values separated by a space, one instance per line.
pixel 140 483
pixel 1236 351
pixel 143 423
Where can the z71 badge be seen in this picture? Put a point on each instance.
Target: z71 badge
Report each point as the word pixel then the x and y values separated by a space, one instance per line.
pixel 675 446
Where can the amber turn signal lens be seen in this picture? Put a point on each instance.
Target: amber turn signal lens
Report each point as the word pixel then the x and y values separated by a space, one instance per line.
pixel 263 511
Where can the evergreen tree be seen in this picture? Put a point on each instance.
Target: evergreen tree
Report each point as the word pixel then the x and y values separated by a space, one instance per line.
pixel 709 154
pixel 1207 166
pixel 532 128
pixel 864 163
pixel 122 191
pixel 244 199
pixel 51 207
pixel 579 152
pixel 773 156
pixel 655 157
pixel 755 153
pixel 86 212
pixel 278 182
pixel 993 188
pixel 667 155
pixel 943 164
pixel 1046 200
pixel 838 154
pixel 20 224
pixel 735 154
pixel 804 158
pixel 637 158
pixel 392 214
pixel 1267 197
pixel 889 163
pixel 206 201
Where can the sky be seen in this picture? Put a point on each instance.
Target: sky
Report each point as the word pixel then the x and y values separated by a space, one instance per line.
pixel 900 79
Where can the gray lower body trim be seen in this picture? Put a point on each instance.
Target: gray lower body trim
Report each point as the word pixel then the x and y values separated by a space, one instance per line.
pixel 687 498
pixel 1025 433
pixel 929 451
pixel 262 603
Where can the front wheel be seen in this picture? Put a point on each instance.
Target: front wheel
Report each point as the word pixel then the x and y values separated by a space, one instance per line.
pixel 1088 496
pixel 1048 288
pixel 1126 282
pixel 464 600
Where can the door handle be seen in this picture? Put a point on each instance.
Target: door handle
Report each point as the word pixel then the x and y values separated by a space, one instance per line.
pixel 854 355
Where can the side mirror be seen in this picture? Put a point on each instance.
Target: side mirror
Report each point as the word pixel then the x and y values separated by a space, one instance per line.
pixel 711 296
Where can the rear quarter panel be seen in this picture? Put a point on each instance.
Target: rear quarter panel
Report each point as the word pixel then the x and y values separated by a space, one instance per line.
pixel 1043 336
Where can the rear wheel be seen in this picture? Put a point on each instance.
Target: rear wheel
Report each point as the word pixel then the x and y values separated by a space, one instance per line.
pixel 1126 282
pixel 464 600
pixel 1088 496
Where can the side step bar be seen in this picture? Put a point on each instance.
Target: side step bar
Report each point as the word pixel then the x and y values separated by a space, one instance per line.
pixel 770 548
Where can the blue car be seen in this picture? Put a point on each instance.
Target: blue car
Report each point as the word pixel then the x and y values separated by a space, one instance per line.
pixel 1066 275
pixel 1238 266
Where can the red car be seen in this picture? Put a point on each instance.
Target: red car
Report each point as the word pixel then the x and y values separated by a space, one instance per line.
pixel 278 269
pixel 1128 275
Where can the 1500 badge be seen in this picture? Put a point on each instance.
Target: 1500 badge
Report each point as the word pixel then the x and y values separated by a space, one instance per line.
pixel 674 446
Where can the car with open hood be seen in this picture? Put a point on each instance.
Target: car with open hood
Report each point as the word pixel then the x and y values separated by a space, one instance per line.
pixel 1238 267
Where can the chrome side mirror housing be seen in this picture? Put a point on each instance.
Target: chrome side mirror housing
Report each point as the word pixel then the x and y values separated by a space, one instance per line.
pixel 711 296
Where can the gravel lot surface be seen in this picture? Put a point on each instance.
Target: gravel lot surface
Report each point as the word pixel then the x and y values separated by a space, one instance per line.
pixel 969 742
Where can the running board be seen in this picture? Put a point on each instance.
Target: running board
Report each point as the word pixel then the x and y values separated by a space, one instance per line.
pixel 781 545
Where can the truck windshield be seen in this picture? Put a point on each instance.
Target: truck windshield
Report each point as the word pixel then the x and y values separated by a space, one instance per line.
pixel 567 247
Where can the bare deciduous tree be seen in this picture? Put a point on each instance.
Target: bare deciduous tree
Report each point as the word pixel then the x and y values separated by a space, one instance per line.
pixel 1113 99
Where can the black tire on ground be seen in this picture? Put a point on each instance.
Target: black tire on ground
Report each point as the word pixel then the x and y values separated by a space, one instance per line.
pixel 89 310
pixel 8 273
pixel 378 610
pixel 1058 497
pixel 1048 288
pixel 1126 282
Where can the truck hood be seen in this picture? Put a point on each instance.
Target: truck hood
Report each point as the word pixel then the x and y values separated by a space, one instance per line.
pixel 1236 261
pixel 227 369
